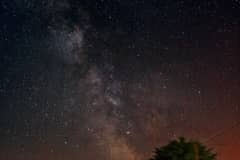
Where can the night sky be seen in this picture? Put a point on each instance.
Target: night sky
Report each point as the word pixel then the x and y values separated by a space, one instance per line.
pixel 113 79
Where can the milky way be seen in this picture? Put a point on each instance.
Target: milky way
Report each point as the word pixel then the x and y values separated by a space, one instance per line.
pixel 114 80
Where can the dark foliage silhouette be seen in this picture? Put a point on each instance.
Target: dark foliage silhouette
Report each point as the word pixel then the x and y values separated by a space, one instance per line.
pixel 181 149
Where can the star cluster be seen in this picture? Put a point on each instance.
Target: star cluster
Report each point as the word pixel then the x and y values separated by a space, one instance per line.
pixel 115 79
